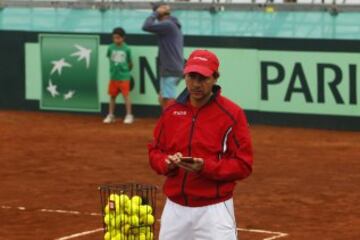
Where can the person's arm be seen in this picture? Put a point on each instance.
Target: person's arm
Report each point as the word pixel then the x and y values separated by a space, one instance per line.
pixel 129 59
pixel 152 25
pixel 108 53
pixel 158 158
pixel 236 164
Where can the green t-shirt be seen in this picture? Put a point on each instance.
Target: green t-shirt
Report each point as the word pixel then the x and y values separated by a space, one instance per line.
pixel 120 59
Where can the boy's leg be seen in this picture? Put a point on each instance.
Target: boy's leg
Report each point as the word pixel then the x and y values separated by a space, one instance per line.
pixel 112 104
pixel 128 108
pixel 113 91
pixel 125 90
pixel 110 118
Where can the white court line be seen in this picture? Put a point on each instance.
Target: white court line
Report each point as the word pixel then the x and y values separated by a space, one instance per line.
pixel 277 234
pixel 18 208
pixel 60 211
pixel 53 211
pixel 76 235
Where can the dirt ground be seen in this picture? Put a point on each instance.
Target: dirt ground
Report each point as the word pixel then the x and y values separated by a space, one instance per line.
pixel 305 181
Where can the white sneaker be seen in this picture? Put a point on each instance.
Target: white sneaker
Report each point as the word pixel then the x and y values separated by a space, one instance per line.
pixel 109 119
pixel 129 119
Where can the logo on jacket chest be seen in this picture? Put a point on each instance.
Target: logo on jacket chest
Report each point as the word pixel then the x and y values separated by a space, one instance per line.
pixel 179 113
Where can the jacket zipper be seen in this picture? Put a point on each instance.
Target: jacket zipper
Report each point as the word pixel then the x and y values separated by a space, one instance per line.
pixel 189 153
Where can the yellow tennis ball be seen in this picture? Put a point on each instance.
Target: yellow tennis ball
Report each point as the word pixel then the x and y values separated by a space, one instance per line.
pixel 142 236
pixel 123 199
pixel 107 236
pixel 127 207
pixel 109 219
pixel 119 236
pixel 134 221
pixel 145 209
pixel 148 219
pixel 120 202
pixel 111 234
pixel 142 211
pixel 122 219
pixel 127 210
pixel 135 231
pixel 125 229
pixel 114 232
pixel 114 202
pixel 134 209
pixel 131 237
pixel 136 200
pixel 145 230
pixel 107 209
pixel 119 210
pixel 114 197
pixel 149 236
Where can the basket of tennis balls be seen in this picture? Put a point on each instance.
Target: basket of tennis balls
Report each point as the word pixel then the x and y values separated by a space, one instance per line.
pixel 128 211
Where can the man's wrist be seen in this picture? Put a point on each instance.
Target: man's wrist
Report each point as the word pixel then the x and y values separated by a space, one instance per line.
pixel 168 164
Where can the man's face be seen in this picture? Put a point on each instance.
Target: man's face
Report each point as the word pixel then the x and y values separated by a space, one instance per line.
pixel 117 39
pixel 163 10
pixel 198 85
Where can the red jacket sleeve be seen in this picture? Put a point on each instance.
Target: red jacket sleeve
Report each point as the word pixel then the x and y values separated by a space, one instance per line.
pixel 236 163
pixel 157 156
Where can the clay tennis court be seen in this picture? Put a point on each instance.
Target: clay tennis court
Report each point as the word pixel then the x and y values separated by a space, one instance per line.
pixel 305 183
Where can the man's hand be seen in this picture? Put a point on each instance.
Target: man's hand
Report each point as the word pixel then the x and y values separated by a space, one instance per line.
pixel 172 160
pixel 196 166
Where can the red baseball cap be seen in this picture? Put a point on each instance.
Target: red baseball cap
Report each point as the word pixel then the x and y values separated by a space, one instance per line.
pixel 203 62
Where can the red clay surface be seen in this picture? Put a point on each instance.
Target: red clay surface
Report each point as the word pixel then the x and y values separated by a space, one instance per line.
pixel 305 181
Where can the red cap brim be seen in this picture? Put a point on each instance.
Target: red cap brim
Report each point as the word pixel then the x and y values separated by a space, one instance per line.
pixel 198 69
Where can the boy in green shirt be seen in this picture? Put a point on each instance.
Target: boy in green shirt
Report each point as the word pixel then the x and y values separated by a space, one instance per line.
pixel 119 55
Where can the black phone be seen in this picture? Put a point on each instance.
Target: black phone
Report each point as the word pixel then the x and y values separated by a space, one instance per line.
pixel 187 159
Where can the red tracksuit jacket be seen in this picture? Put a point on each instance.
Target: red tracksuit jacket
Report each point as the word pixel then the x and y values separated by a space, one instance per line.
pixel 217 132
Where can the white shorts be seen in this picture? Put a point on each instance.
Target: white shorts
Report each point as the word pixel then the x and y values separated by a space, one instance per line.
pixel 213 222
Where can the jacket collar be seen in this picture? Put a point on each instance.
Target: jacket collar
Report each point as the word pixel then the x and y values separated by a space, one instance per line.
pixel 184 96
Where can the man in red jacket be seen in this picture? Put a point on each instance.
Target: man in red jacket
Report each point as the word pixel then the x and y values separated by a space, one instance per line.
pixel 202 145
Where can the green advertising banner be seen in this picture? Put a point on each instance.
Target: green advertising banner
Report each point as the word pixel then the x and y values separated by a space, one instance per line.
pixel 309 82
pixel 69 65
pixel 305 82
